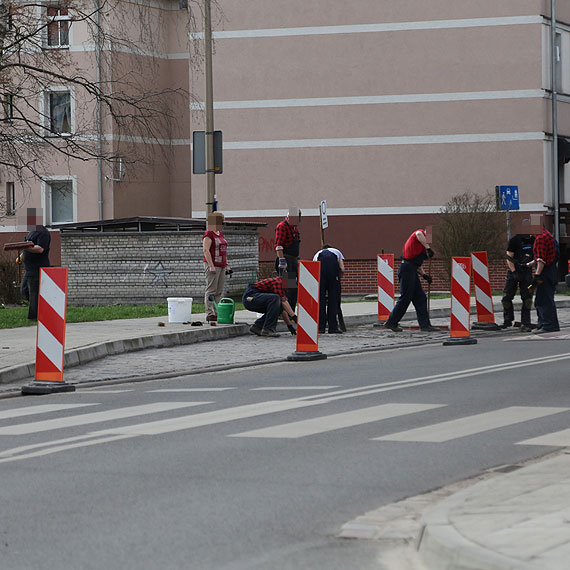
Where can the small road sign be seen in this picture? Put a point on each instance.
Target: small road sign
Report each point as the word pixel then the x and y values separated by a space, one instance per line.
pixel 507 197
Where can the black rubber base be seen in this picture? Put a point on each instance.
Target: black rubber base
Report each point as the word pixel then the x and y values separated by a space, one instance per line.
pixel 42 388
pixel 459 341
pixel 486 327
pixel 301 356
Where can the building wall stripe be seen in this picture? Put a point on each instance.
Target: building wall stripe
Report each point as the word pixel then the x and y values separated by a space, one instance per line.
pixel 373 28
pixel 375 99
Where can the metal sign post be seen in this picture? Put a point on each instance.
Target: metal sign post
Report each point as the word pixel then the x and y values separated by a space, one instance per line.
pixel 324 221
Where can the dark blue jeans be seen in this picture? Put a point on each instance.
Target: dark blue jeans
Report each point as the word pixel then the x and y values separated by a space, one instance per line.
pixel 329 301
pixel 267 303
pixel 544 300
pixel 410 292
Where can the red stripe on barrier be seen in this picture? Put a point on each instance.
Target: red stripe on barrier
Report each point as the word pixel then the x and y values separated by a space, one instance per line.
pixel 56 322
pixel 46 369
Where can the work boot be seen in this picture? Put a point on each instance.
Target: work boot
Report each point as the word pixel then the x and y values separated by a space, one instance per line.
pixel 267 332
pixel 526 328
pixel 506 325
pixel 430 329
pixel 337 331
pixel 254 329
pixel 211 318
pixel 393 328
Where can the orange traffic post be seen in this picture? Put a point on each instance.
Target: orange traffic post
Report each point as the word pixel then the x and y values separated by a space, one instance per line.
pixel 50 337
pixel 308 312
pixel 460 302
pixel 483 294
pixel 386 289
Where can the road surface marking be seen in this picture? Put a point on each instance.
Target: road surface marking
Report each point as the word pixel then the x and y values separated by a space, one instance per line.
pixel 471 425
pixel 171 390
pixel 41 409
pixel 337 421
pixel 269 388
pixel 95 417
pixel 556 438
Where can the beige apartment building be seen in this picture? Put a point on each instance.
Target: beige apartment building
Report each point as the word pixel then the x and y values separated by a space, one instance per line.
pixel 384 109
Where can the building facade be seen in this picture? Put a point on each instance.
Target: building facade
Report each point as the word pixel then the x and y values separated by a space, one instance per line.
pixel 384 109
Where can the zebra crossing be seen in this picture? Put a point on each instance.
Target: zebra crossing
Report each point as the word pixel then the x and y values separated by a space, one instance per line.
pixel 145 420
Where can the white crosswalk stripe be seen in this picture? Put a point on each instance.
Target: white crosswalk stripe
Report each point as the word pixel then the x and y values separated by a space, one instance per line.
pixel 337 421
pixel 471 425
pixel 556 439
pixel 41 409
pixel 95 417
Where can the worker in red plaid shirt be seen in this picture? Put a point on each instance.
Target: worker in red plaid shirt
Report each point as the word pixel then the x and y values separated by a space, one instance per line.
pixel 287 247
pixel 268 297
pixel 544 282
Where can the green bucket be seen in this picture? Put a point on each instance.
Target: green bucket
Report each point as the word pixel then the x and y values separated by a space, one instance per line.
pixel 226 309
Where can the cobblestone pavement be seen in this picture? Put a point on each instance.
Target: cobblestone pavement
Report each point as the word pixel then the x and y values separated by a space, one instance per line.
pixel 251 350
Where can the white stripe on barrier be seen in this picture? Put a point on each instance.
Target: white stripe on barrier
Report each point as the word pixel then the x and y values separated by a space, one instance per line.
pixel 479 267
pixel 385 269
pixel 384 299
pixel 308 282
pixel 460 312
pixel 50 346
pixel 484 299
pixel 308 324
pixel 460 276
pixel 52 294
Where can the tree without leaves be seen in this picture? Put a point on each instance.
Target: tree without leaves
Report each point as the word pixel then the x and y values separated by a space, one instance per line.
pixel 111 93
pixel 470 222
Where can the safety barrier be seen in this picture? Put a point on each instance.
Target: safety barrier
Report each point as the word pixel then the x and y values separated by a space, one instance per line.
pixel 308 312
pixel 460 302
pixel 483 294
pixel 50 344
pixel 386 293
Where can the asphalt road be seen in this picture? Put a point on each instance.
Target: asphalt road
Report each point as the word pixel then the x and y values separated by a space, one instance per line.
pixel 260 468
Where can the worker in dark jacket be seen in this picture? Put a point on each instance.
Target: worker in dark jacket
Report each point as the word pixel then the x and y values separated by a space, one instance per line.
pixel 35 258
pixel 332 268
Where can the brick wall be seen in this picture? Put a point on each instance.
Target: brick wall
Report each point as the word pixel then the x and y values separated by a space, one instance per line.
pixel 140 268
pixel 360 275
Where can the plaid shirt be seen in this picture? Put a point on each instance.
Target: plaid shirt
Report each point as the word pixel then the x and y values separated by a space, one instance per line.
pixel 544 248
pixel 271 285
pixel 285 234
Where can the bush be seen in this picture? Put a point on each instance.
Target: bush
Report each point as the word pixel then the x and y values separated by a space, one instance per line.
pixel 10 279
pixel 468 223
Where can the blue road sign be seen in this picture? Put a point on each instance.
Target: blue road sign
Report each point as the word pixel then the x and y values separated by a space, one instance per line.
pixel 507 197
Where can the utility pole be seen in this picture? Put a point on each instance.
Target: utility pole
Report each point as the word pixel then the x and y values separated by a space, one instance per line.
pixel 209 135
pixel 553 62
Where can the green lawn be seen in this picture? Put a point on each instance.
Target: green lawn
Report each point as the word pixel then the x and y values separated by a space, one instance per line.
pixel 12 317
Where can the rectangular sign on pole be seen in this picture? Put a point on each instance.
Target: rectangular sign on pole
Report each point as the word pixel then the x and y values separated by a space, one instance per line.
pixel 199 152
pixel 324 216
pixel 507 197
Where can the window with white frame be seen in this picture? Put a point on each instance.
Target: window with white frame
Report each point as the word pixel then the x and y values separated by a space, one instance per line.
pixel 60 201
pixel 10 199
pixel 58 105
pixel 58 24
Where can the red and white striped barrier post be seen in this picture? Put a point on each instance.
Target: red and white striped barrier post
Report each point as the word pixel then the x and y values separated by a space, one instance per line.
pixel 308 312
pixel 483 294
pixel 50 343
pixel 460 301
pixel 386 291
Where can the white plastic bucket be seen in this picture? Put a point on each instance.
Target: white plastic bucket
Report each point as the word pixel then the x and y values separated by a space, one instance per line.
pixel 179 309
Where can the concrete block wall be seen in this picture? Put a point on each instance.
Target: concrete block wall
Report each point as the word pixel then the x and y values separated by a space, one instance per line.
pixel 108 268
